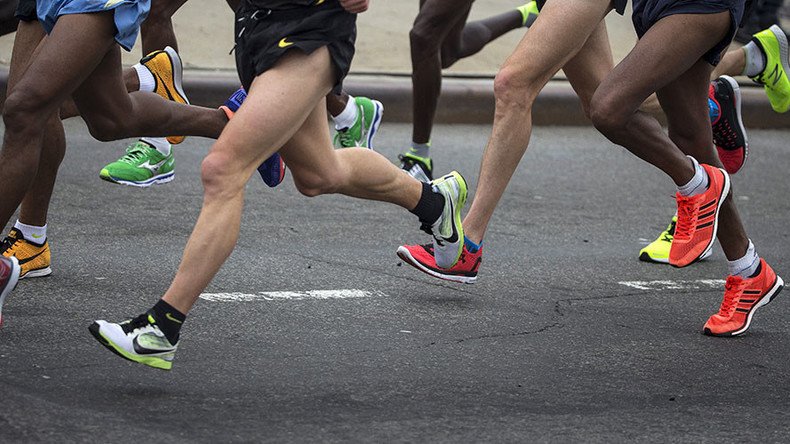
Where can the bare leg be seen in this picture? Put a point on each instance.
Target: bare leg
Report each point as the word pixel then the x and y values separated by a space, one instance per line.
pixel 732 64
pixel 265 122
pixel 680 77
pixel 157 29
pixel 541 53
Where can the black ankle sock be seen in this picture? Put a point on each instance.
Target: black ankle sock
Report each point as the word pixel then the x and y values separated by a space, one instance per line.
pixel 168 319
pixel 430 206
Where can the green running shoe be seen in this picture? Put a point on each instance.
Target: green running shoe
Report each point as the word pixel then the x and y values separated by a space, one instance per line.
pixel 141 166
pixel 420 168
pixel 362 132
pixel 773 43
pixel 529 12
pixel 448 231
pixel 658 250
pixel 138 340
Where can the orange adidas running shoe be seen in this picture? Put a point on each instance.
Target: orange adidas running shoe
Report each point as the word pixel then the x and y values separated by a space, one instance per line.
pixel 698 219
pixel 742 297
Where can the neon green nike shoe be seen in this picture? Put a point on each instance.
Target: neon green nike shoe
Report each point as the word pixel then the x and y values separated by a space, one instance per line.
pixel 420 168
pixel 138 340
pixel 658 250
pixel 362 132
pixel 529 12
pixel 141 166
pixel 773 43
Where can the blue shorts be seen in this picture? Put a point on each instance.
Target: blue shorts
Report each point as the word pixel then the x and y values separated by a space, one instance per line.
pixel 128 15
pixel 648 12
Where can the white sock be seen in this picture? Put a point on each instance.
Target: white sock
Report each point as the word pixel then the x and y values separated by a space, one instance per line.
pixel 32 233
pixel 754 62
pixel 745 266
pixel 347 118
pixel 160 143
pixel 145 77
pixel 698 184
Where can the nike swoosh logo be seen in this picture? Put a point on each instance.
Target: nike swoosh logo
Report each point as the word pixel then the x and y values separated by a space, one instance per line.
pixel 284 44
pixel 164 85
pixel 37 236
pixel 28 259
pixel 454 238
pixel 170 317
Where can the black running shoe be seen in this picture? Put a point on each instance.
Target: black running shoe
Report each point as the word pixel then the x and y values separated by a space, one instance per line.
pixel 729 134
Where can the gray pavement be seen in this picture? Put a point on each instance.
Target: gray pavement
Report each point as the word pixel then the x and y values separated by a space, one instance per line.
pixel 565 338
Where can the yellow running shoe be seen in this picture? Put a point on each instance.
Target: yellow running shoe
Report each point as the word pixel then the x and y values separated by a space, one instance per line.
pixel 165 65
pixel 773 43
pixel 529 12
pixel 658 250
pixel 33 258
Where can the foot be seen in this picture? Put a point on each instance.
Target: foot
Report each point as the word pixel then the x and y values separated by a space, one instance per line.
pixel 141 166
pixel 742 297
pixel 658 250
pixel 421 257
pixel 529 12
pixel 363 131
pixel 447 231
pixel 34 259
pixel 773 43
pixel 272 170
pixel 9 274
pixel 138 340
pixel 168 72
pixel 420 168
pixel 698 219
pixel 729 134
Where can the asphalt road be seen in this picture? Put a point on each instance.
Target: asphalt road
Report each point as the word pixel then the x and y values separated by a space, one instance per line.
pixel 565 338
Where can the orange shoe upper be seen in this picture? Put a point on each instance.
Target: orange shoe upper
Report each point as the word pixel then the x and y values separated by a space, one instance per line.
pixel 31 256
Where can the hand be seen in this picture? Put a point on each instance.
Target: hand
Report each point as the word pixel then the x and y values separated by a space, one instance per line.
pixel 354 6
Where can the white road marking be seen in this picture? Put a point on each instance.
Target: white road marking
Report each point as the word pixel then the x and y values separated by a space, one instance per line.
pixel 290 295
pixel 699 284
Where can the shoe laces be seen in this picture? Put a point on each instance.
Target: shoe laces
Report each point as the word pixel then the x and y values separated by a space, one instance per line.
pixel 733 289
pixel 10 243
pixel 688 210
pixel 346 138
pixel 135 153
pixel 135 323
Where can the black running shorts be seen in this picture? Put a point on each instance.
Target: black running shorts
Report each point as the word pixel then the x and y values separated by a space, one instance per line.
pixel 648 12
pixel 26 11
pixel 619 5
pixel 264 35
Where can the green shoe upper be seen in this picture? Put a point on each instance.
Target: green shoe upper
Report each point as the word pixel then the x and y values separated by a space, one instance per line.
pixel 529 12
pixel 773 42
pixel 140 164
pixel 363 129
pixel 658 250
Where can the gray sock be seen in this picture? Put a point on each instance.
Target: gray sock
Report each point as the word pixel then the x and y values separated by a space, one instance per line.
pixel 755 60
pixel 421 149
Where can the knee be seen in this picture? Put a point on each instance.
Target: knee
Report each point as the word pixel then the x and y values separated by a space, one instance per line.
pixel 105 129
pixel 311 184
pixel 220 176
pixel 422 39
pixel 21 114
pixel 606 113
pixel 513 87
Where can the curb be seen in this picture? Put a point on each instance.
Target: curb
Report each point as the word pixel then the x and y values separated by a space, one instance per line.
pixel 463 100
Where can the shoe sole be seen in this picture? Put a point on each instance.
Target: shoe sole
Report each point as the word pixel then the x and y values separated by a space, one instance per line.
pixel 645 257
pixel 736 89
pixel 178 73
pixel 405 255
pixel 41 272
pixel 156 180
pixel 10 285
pixel 377 116
pixel 151 361
pixel 725 193
pixel 765 300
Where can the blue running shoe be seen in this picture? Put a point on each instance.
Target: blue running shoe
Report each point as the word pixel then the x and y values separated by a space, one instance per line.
pixel 272 170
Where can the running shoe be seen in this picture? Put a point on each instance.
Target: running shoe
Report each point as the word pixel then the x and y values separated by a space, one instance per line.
pixel 742 297
pixel 141 166
pixel 698 219
pixel 420 168
pixel 362 132
pixel 272 170
pixel 9 275
pixel 529 12
pixel 658 250
pixel 34 259
pixel 166 67
pixel 138 340
pixel 447 231
pixel 421 257
pixel 729 134
pixel 773 43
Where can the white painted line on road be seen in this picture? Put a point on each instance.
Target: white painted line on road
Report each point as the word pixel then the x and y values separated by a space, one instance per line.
pixel 699 284
pixel 290 295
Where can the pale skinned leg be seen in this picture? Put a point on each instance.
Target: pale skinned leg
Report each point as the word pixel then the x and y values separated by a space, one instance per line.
pixel 269 118
pixel 732 64
pixel 561 34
